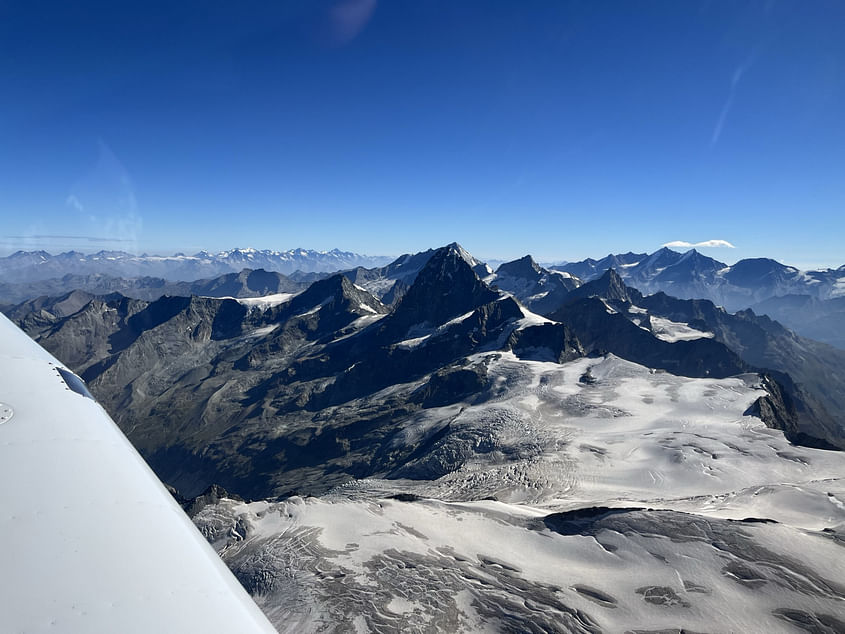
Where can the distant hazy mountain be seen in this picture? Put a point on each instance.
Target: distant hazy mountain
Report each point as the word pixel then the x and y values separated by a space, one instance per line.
pixel 590 268
pixel 820 319
pixel 692 275
pixel 246 283
pixel 29 266
pixel 760 283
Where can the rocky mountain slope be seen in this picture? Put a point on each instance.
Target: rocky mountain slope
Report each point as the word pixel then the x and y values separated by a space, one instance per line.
pixel 226 375
pixel 618 463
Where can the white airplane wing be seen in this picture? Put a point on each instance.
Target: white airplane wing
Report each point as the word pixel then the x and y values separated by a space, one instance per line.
pixel 91 540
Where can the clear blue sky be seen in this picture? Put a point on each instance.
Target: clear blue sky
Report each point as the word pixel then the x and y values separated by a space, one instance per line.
pixel 561 129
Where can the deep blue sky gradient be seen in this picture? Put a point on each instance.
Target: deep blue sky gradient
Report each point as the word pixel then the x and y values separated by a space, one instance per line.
pixel 563 129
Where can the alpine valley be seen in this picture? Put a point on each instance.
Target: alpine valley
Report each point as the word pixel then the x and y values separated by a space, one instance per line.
pixel 625 444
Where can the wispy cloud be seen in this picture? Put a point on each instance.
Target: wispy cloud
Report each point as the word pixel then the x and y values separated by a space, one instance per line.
pixel 79 238
pixel 347 18
pixel 73 201
pixel 110 208
pixel 59 243
pixel 710 244
pixel 736 77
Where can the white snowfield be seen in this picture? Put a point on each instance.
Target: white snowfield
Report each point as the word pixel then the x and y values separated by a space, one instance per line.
pixel 420 334
pixel 490 545
pixel 92 541
pixel 666 329
pixel 672 331
pixel 531 319
pixel 264 302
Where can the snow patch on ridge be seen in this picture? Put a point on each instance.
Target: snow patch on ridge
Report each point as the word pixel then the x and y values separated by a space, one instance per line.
pixel 531 319
pixel 673 331
pixel 262 303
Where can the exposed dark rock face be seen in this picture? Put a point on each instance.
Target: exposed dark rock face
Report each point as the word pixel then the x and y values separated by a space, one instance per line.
pixel 525 268
pixel 549 342
pixel 445 288
pixel 379 362
pixel 212 495
pixel 796 418
pixel 451 385
pixel 390 283
pixel 396 292
pixel 609 286
pixel 336 301
pixel 52 307
pixel 599 329
pixel 821 623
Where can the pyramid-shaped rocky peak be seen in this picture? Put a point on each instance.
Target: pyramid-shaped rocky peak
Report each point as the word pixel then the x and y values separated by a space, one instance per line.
pixel 609 286
pixel 524 268
pixel 407 265
pixel 694 258
pixel 481 269
pixel 338 291
pixel 661 258
pixel 689 268
pixel 446 287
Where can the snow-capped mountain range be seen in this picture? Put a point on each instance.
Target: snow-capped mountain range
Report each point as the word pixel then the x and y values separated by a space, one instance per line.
pixel 810 302
pixel 694 275
pixel 451 460
pixel 29 266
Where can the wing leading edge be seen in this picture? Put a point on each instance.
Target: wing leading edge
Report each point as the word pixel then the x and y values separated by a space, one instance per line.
pixel 92 540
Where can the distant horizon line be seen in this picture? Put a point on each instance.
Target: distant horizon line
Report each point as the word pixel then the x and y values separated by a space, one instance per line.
pixel 9 251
